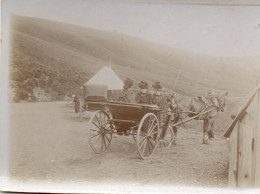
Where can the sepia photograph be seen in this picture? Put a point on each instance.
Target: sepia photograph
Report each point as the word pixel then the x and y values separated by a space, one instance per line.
pixel 136 96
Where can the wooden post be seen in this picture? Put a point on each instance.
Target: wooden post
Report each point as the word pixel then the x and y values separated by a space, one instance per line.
pixel 232 174
pixel 256 164
pixel 257 79
pixel 254 113
pixel 257 145
pixel 245 154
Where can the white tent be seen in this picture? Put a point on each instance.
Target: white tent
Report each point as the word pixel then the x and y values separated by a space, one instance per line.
pixel 106 76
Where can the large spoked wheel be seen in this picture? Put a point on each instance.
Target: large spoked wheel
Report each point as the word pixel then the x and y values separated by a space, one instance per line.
pixel 168 139
pixel 100 135
pixel 134 133
pixel 147 135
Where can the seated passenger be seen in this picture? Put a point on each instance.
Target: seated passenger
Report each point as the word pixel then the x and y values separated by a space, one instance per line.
pixel 143 96
pixel 126 94
pixel 157 98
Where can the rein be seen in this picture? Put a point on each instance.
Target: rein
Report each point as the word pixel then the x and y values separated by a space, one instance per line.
pixel 204 111
pixel 182 122
pixel 212 105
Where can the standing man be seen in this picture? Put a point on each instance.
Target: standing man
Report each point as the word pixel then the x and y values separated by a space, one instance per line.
pixel 77 103
pixel 212 97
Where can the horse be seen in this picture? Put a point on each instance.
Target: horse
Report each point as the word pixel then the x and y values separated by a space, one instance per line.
pixel 192 107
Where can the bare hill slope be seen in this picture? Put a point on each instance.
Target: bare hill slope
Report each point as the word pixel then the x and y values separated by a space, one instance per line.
pixel 65 56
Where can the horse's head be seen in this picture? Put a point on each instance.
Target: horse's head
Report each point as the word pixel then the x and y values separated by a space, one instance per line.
pixel 222 102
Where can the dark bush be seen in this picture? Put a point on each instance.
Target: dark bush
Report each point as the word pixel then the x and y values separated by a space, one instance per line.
pixel 20 95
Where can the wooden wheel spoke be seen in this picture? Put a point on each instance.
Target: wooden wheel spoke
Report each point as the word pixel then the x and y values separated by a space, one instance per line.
pixel 98 120
pixel 96 125
pixel 150 124
pixel 144 146
pixel 149 145
pixel 152 142
pixel 102 143
pixel 107 138
pixel 155 132
pixel 94 136
pixel 142 143
pixel 150 131
pixel 97 140
pixel 103 139
pixel 142 138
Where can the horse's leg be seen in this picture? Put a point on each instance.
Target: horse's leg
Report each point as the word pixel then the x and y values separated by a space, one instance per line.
pixel 210 131
pixel 175 130
pixel 205 130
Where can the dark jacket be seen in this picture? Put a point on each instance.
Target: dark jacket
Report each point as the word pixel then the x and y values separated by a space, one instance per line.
pixel 143 98
pixel 126 96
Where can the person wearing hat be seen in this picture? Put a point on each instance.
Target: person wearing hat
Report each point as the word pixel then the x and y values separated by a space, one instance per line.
pixel 77 103
pixel 126 94
pixel 172 105
pixel 212 97
pixel 211 93
pixel 143 96
pixel 157 98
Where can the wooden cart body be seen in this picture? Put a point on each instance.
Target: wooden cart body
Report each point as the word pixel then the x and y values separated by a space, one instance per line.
pixel 142 121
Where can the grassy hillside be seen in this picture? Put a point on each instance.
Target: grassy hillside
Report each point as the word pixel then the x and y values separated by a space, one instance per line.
pixel 60 57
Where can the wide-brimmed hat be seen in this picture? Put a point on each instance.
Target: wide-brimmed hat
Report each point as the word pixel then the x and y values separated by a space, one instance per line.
pixel 143 85
pixel 157 86
pixel 128 83
pixel 211 92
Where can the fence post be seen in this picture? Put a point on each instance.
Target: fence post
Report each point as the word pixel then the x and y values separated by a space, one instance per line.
pixel 257 145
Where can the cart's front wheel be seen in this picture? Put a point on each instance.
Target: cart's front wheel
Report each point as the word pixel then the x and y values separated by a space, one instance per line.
pixel 100 135
pixel 168 139
pixel 147 135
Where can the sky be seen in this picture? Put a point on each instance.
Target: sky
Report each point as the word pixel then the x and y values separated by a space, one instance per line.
pixel 213 30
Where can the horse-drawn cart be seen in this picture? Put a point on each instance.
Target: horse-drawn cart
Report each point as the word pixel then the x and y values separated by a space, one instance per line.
pixel 148 124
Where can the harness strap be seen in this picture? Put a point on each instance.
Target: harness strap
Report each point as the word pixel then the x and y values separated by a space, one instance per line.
pixel 215 103
pixel 204 100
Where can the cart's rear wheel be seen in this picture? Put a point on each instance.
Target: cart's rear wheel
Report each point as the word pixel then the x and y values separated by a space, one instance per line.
pixel 147 135
pixel 100 135
pixel 168 139
pixel 134 133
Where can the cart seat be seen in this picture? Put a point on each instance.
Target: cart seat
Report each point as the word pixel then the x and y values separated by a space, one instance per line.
pixel 95 102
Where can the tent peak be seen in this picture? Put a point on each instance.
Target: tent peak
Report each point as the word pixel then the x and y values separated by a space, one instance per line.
pixel 106 76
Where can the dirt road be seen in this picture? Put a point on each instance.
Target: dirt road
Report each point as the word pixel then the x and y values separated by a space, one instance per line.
pixel 48 144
